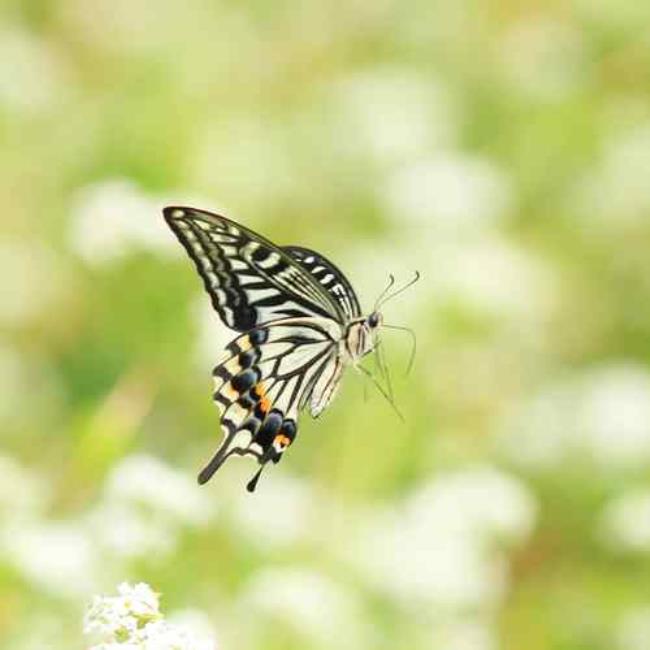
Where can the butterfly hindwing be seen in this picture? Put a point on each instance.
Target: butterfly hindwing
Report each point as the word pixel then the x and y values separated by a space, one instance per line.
pixel 326 386
pixel 264 380
pixel 250 280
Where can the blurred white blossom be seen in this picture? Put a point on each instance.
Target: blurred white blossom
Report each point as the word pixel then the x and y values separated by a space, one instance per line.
pixel 32 75
pixel 128 531
pixel 625 522
pixel 616 415
pixel 24 503
pixel 211 335
pixel 493 276
pixel 449 191
pixel 616 189
pixel 192 622
pixel 414 565
pixel 396 113
pixel 145 505
pixel 132 621
pixel 113 217
pixel 438 547
pixel 149 481
pixel 59 557
pixel 634 629
pixel 487 274
pixel 249 156
pixel 482 503
pixel 310 603
pixel 541 431
pixel 280 515
pixel 602 415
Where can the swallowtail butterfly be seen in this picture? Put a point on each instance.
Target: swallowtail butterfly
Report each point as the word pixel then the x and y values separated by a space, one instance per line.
pixel 300 325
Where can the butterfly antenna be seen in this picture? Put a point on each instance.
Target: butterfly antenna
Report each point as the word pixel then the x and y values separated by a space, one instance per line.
pixel 252 484
pixel 381 389
pixel 397 291
pixel 414 343
pixel 391 282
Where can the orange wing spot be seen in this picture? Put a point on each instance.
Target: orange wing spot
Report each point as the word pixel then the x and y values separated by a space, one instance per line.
pixel 265 402
pixel 282 440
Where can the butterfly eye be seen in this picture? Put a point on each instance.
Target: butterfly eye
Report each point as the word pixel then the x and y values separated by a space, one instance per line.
pixel 373 319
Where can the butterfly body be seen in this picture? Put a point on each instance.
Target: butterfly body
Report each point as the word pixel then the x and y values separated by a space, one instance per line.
pixel 300 326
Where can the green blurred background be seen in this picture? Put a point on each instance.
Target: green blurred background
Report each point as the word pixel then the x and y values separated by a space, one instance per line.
pixel 503 149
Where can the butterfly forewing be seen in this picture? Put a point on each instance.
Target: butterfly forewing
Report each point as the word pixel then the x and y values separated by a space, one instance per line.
pixel 329 277
pixel 249 279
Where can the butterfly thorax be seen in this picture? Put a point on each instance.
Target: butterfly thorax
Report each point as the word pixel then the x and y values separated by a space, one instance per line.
pixel 360 337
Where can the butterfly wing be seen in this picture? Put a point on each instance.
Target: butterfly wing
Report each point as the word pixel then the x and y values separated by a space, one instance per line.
pixel 329 276
pixel 249 279
pixel 326 386
pixel 265 379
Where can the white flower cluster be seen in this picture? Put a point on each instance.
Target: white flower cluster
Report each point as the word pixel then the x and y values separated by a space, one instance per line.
pixel 113 217
pixel 625 522
pixel 132 621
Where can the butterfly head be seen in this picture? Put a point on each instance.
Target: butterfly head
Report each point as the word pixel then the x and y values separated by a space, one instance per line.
pixel 371 325
pixel 374 320
pixel 361 336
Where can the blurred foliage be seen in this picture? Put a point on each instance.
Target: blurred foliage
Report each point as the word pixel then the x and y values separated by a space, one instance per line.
pixel 503 149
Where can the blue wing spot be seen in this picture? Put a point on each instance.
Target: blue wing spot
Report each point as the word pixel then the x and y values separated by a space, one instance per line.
pixel 242 382
pixel 258 336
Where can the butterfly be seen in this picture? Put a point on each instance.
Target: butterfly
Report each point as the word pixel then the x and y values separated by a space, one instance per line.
pixel 300 325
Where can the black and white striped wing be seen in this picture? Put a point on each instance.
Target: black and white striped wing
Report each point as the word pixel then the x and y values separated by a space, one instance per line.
pixel 328 275
pixel 267 376
pixel 250 280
